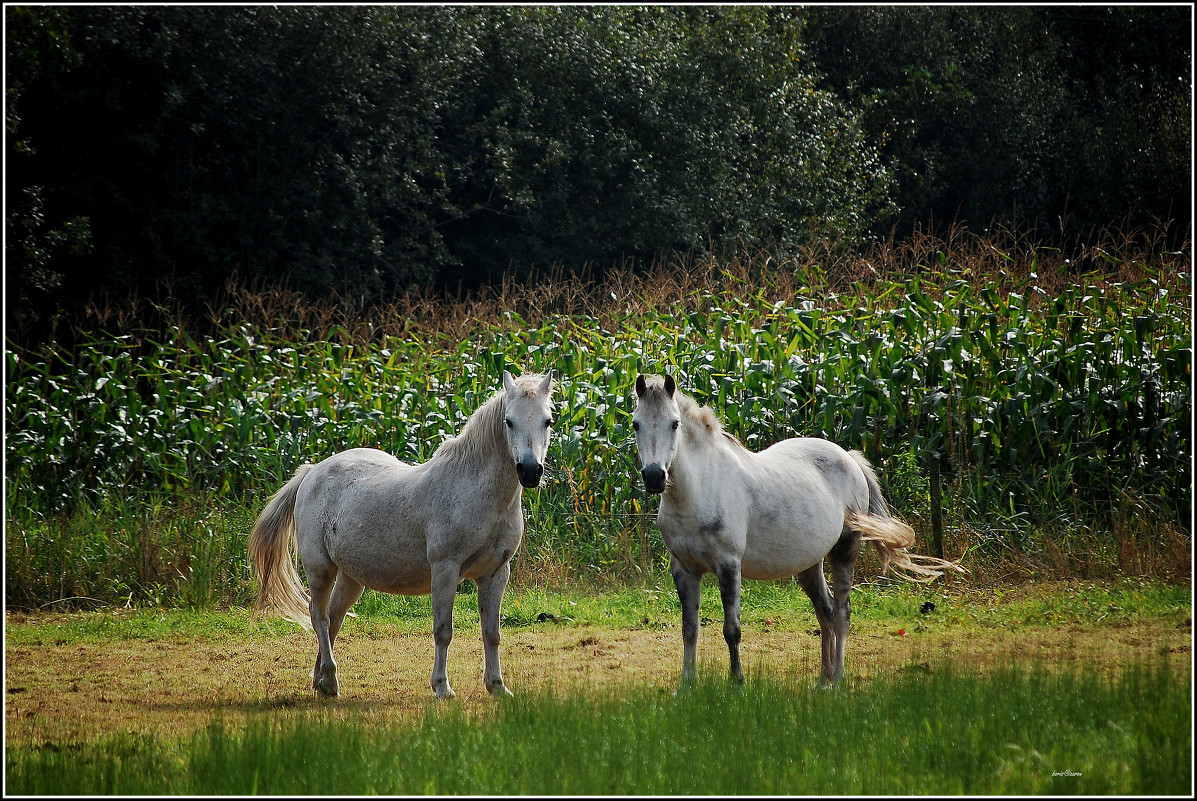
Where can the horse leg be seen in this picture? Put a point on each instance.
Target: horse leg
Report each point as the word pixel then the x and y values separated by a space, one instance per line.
pixel 843 561
pixel 320 585
pixel 688 594
pixel 490 596
pixel 814 584
pixel 728 574
pixel 344 595
pixel 445 576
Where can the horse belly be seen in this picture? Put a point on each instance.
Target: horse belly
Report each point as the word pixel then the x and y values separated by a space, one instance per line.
pixel 791 536
pixel 401 569
pixel 800 490
pixel 404 579
pixel 381 542
pixel 777 558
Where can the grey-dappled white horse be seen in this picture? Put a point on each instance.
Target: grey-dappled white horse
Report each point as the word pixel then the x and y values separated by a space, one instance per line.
pixel 767 515
pixel 362 518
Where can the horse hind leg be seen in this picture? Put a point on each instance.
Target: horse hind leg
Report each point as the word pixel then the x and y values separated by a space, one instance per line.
pixel 843 562
pixel 345 594
pixel 814 584
pixel 320 585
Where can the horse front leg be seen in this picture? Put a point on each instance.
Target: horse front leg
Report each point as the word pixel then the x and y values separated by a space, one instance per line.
pixel 445 575
pixel 688 593
pixel 728 574
pixel 490 597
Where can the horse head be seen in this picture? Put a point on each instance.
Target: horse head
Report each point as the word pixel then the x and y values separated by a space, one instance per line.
pixel 656 421
pixel 528 421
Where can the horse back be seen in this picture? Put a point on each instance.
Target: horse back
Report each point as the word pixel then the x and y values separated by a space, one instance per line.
pixel 806 465
pixel 360 509
pixel 801 490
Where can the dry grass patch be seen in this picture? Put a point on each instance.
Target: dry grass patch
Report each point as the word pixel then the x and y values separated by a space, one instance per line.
pixel 80 692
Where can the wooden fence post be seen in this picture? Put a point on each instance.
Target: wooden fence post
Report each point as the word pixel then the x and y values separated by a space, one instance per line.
pixel 936 510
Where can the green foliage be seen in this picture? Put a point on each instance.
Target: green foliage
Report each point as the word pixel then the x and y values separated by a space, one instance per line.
pixel 1019 730
pixel 38 52
pixel 357 150
pixel 1050 412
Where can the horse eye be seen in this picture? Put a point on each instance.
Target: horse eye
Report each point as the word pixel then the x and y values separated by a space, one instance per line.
pixel 635 425
pixel 509 423
pixel 675 423
pixel 548 423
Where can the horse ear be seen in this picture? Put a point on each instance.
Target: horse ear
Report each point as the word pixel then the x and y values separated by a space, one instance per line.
pixel 548 381
pixel 641 388
pixel 508 382
pixel 669 385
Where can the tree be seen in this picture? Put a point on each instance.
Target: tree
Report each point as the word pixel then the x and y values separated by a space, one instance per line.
pixel 1064 117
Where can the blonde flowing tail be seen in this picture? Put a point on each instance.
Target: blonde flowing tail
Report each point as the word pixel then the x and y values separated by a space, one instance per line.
pixel 270 547
pixel 892 537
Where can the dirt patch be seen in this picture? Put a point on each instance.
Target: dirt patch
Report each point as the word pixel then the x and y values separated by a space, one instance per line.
pixel 72 693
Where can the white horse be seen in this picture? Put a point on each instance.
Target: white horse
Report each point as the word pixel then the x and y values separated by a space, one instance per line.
pixel 362 518
pixel 768 515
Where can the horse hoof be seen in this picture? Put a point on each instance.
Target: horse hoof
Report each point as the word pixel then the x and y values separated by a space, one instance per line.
pixel 499 690
pixel 444 693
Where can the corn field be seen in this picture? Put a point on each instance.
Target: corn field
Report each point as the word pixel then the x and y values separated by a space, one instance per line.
pixel 1057 408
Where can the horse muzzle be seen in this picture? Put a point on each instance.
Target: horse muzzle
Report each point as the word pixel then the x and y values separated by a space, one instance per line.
pixel 529 473
pixel 654 476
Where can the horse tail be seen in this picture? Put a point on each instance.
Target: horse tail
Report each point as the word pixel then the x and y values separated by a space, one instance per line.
pixel 270 546
pixel 891 536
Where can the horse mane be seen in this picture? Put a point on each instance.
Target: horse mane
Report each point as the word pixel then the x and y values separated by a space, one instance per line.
pixel 479 436
pixel 705 417
pixel 482 432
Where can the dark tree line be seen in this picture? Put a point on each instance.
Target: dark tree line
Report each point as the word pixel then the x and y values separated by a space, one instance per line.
pixel 361 149
pixel 1065 117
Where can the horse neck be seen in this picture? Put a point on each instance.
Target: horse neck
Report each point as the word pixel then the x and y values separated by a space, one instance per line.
pixel 699 450
pixel 479 452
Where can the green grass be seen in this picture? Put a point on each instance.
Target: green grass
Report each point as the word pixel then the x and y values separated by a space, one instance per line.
pixel 1122 601
pixel 915 731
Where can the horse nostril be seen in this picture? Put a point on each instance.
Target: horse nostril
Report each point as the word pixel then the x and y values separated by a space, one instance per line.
pixel 529 473
pixel 654 478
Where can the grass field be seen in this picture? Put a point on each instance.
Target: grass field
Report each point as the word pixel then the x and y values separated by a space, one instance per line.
pixel 993 691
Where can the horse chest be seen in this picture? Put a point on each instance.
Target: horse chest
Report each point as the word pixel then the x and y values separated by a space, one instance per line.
pixel 492 552
pixel 699 543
